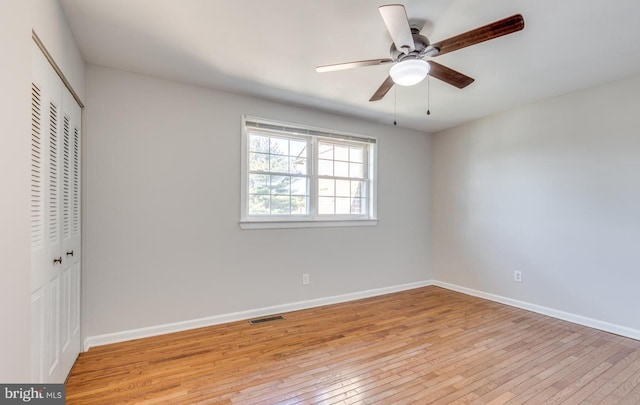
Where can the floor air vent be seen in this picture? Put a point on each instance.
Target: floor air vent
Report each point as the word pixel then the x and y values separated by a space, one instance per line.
pixel 266 319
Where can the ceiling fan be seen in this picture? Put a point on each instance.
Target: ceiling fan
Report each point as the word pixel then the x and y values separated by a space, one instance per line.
pixel 409 50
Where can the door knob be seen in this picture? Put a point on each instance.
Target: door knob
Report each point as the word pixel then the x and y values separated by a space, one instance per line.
pixel 70 253
pixel 58 260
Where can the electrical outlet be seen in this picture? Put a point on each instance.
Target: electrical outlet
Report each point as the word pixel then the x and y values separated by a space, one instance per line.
pixel 517 276
pixel 305 279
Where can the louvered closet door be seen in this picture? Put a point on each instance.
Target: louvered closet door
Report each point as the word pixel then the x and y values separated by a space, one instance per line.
pixel 55 224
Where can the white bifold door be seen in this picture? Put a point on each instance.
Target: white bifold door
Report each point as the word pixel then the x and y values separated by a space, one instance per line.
pixel 55 224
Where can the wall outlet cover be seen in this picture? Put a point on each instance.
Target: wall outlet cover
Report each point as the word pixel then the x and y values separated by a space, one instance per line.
pixel 517 276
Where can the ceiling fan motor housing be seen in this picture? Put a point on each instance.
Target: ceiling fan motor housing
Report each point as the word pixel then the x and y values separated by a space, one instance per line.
pixel 420 42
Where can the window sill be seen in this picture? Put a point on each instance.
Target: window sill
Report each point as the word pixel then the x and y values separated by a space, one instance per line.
pixel 306 224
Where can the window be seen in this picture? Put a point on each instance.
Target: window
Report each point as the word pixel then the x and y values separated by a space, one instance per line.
pixel 294 176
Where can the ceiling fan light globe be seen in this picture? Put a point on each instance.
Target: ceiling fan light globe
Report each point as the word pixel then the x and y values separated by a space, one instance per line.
pixel 409 72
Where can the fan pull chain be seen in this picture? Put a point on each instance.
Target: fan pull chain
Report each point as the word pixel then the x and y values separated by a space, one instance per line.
pixel 428 94
pixel 395 106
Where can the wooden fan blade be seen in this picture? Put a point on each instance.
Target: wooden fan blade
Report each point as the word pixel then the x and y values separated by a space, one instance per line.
pixel 350 65
pixel 497 29
pixel 382 90
pixel 449 75
pixel 395 18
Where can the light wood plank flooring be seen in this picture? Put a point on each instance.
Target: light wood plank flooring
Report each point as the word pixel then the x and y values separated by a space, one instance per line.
pixel 423 346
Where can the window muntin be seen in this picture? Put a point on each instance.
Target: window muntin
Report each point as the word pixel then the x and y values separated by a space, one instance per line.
pixel 295 174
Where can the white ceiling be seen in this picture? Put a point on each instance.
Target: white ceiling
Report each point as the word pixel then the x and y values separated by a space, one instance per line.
pixel 269 49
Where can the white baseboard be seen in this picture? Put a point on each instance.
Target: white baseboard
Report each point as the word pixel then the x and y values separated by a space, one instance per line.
pixel 565 316
pixel 116 337
pixel 99 340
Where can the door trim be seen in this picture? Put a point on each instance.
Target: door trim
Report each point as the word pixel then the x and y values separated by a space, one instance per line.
pixel 55 66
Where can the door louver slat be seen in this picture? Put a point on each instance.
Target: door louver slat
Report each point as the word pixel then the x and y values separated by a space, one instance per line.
pixel 66 192
pixel 76 182
pixel 36 168
pixel 53 174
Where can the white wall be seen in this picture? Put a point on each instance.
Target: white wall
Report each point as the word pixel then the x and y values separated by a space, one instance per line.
pixel 15 242
pixel 162 238
pixel 552 190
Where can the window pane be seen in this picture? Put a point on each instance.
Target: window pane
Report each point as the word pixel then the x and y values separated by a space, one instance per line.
pixel 279 146
pixel 341 169
pixel 258 162
pixel 341 153
pixel 358 189
pixel 259 205
pixel 298 148
pixel 355 170
pixel 356 154
pixel 259 184
pixel 326 187
pixel 326 205
pixel 279 164
pixel 325 167
pixel 299 186
pixel 358 206
pixel 298 165
pixel 343 206
pixel 325 151
pixel 259 143
pixel 343 188
pixel 280 205
pixel 299 205
pixel 280 185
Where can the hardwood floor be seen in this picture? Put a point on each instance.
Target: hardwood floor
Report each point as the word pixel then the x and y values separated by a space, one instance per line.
pixel 424 346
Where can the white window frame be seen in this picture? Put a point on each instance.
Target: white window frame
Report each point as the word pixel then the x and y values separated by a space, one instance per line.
pixel 313 134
